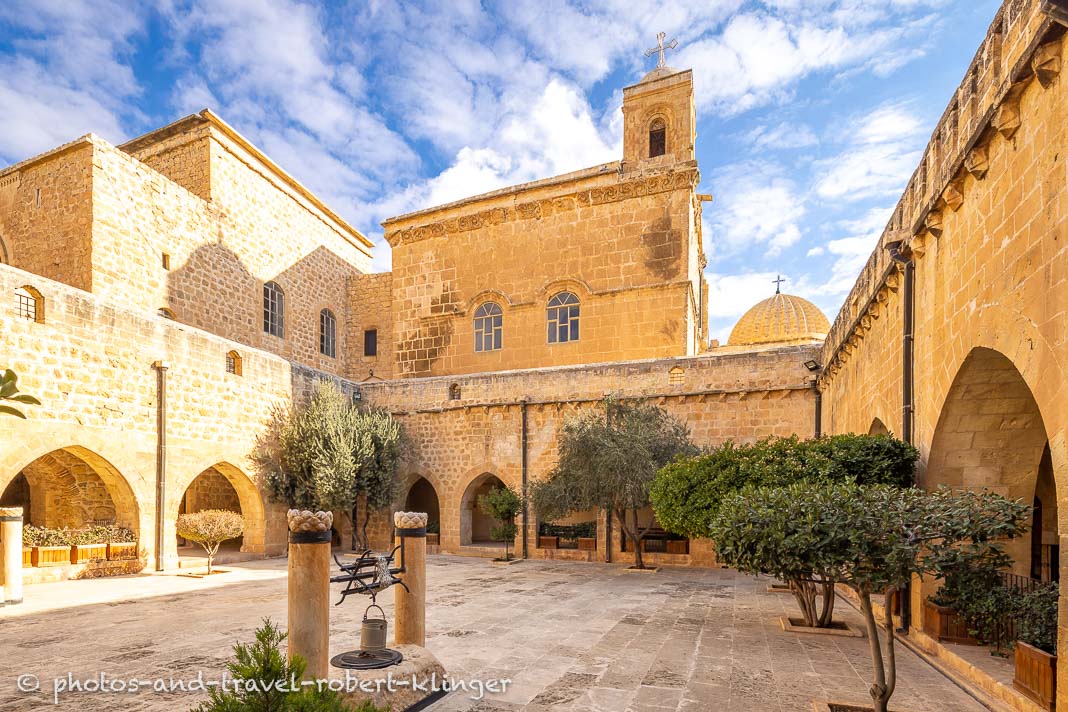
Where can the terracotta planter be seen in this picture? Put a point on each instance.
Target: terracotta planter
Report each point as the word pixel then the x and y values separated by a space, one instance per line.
pixel 119 550
pixel 943 624
pixel 1036 674
pixel 433 539
pixel 676 546
pixel 84 553
pixel 27 557
pixel 587 543
pixel 548 542
pixel 50 555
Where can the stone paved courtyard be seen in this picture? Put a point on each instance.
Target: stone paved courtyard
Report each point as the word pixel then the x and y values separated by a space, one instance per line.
pixel 570 637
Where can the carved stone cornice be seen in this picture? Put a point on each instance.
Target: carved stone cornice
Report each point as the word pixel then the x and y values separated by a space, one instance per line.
pixel 625 189
pixel 1046 63
pixel 978 162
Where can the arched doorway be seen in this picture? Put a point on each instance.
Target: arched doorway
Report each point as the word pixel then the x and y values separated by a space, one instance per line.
pixel 476 527
pixel 223 486
pixel 990 434
pixel 423 498
pixel 72 488
pixel 878 427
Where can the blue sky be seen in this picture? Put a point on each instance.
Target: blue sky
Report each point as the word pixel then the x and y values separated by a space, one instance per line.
pixel 812 114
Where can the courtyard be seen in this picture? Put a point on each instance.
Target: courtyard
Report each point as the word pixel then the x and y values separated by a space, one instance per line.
pixel 569 636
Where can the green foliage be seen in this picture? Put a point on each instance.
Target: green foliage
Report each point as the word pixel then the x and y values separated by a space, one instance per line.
pixel 503 504
pixel 95 534
pixel 433 527
pixel 873 538
pixel 45 536
pixel 974 588
pixel 1036 617
pixel 9 391
pixel 210 528
pixel 687 494
pixel 267 681
pixel 379 437
pixel 608 461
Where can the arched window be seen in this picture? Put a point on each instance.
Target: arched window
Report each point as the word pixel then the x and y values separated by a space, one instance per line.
pixel 4 259
pixel 233 363
pixel 563 316
pixel 165 313
pixel 327 333
pixel 657 138
pixel 29 304
pixel 454 391
pixel 488 327
pixel 274 303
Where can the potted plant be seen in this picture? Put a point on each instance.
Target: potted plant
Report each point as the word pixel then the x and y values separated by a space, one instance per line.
pixel 503 504
pixel 587 536
pixel 51 547
pixel 547 538
pixel 970 607
pixel 122 544
pixel 88 545
pixel 433 533
pixel 1036 645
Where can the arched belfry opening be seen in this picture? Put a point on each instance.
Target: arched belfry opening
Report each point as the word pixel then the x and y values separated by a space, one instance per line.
pixel 657 138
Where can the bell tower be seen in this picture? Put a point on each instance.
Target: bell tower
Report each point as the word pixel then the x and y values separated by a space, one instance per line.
pixel 659 116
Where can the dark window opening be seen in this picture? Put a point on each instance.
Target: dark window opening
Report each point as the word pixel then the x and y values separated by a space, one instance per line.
pixel 273 309
pixel 657 139
pixel 327 333
pixel 370 342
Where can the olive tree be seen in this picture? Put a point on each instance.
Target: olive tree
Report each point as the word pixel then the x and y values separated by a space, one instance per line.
pixel 210 528
pixel 687 494
pixel 608 459
pixel 503 504
pixel 379 437
pixel 9 391
pixel 872 538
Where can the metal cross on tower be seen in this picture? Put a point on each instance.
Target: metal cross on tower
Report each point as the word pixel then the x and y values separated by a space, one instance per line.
pixel 778 280
pixel 661 48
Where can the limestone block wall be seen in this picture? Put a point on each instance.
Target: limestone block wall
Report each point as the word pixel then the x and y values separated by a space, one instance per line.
pixel 455 443
pixel 91 364
pixel 622 245
pixel 46 214
pixel 371 308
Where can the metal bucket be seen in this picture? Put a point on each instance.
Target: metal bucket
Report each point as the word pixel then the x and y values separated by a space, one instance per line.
pixel 373 631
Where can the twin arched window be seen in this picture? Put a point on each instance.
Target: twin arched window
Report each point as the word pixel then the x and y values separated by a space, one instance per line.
pixel 488 327
pixel 327 333
pixel 273 309
pixel 563 318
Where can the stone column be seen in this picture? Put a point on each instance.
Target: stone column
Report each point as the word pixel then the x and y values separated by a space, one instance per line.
pixel 309 589
pixel 11 556
pixel 411 604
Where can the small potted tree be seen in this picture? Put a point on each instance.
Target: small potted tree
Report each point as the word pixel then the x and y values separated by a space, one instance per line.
pixel 587 536
pixel 503 504
pixel 1036 645
pixel 546 538
pixel 433 533
pixel 210 528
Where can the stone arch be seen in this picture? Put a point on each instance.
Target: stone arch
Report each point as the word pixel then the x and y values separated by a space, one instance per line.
pixel 5 256
pixel 474 525
pixel 878 427
pixel 73 487
pixel 249 502
pixel 990 435
pixel 423 497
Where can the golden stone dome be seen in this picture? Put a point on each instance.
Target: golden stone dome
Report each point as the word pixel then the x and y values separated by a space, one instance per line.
pixel 781 319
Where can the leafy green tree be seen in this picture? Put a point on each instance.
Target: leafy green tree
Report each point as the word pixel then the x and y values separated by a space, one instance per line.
pixel 9 391
pixel 379 436
pixel 870 538
pixel 608 460
pixel 687 494
pixel 265 681
pixel 503 504
pixel 210 528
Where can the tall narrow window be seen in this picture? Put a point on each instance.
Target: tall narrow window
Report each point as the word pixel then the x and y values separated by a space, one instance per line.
pixel 29 304
pixel 233 363
pixel 563 316
pixel 370 342
pixel 274 303
pixel 327 333
pixel 657 138
pixel 488 327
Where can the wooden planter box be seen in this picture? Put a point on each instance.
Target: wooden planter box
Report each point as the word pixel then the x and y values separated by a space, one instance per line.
pixel 676 547
pixel 587 544
pixel 433 539
pixel 944 625
pixel 27 557
pixel 84 553
pixel 119 550
pixel 1036 675
pixel 50 555
pixel 548 542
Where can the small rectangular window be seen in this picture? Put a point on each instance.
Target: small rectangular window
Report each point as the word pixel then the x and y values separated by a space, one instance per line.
pixel 166 261
pixel 370 342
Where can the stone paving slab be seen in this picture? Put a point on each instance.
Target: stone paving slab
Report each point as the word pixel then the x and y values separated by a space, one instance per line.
pixel 571 637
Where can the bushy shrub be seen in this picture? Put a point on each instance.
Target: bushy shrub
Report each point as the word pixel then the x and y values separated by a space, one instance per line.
pixel 95 534
pixel 1036 617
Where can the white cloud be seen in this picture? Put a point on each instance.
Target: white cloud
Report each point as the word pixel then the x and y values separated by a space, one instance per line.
pixel 755 205
pixel 785 135
pixel 850 253
pixel 731 295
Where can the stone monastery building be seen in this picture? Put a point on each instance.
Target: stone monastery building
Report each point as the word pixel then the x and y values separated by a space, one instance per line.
pixel 165 294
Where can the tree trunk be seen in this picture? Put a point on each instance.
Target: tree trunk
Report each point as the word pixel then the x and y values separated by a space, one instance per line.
pixel 633 535
pixel 827 614
pixel 354 539
pixel 366 541
pixel 805 594
pixel 880 693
